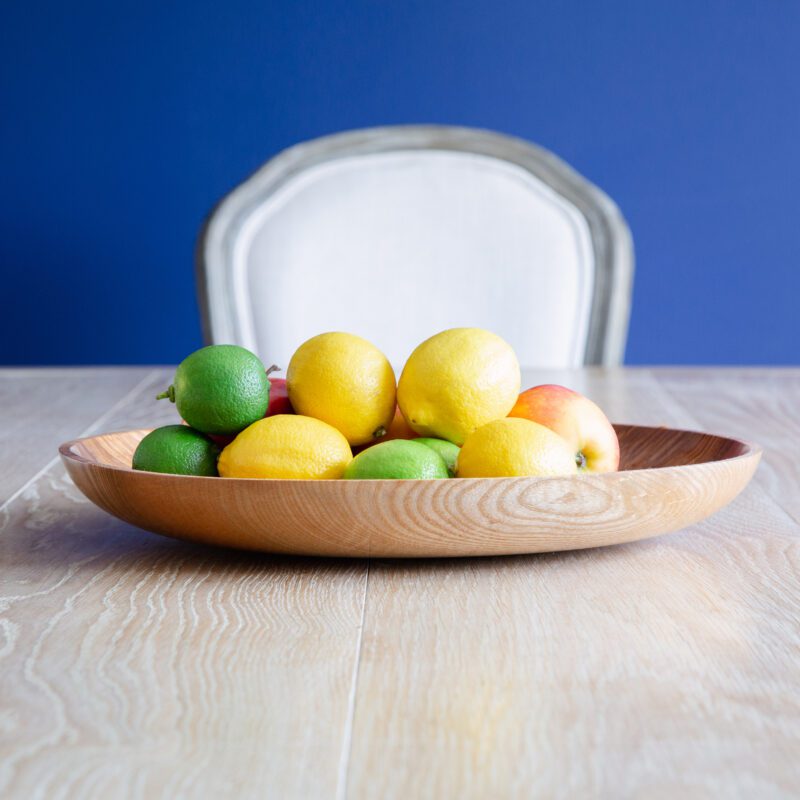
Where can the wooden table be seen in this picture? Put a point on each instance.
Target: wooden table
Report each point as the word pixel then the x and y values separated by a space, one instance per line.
pixel 136 666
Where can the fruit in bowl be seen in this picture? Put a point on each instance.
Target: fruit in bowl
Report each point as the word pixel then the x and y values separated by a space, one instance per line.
pixel 178 450
pixel 220 389
pixel 512 448
pixel 576 419
pixel 278 404
pixel 403 494
pixel 457 381
pixel 278 396
pixel 339 399
pixel 397 459
pixel 286 446
pixel 346 381
pixel 447 450
pixel 398 428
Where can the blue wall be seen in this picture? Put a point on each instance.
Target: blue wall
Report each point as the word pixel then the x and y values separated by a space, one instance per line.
pixel 122 123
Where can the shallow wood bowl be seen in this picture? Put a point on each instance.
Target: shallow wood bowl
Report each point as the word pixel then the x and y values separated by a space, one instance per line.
pixel 668 479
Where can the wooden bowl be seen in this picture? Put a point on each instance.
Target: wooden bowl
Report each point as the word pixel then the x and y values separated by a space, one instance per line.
pixel 668 479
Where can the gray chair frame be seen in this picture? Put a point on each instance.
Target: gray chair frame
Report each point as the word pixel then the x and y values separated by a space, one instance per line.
pixel 611 238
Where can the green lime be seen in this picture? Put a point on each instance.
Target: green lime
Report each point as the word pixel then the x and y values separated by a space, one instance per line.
pixel 178 450
pixel 220 389
pixel 447 450
pixel 399 458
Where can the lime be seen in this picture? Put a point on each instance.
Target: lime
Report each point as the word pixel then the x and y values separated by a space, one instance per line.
pixel 447 450
pixel 399 458
pixel 220 389
pixel 178 450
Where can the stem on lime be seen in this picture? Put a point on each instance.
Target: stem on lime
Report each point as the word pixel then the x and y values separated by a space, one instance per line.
pixel 168 395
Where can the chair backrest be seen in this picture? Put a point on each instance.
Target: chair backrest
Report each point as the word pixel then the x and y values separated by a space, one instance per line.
pixel 397 233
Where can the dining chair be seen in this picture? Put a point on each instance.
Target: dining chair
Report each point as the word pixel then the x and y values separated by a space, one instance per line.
pixel 396 233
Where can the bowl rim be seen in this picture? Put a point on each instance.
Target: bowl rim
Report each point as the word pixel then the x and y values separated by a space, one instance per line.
pixel 751 449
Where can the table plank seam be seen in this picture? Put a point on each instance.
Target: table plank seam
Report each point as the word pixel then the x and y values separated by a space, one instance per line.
pixel 347 736
pixel 46 373
pixel 86 432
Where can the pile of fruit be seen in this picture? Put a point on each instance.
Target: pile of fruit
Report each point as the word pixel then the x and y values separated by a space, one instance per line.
pixel 456 411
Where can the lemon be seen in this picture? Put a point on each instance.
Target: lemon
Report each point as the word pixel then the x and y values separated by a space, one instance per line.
pixel 286 446
pixel 513 447
pixel 346 381
pixel 457 381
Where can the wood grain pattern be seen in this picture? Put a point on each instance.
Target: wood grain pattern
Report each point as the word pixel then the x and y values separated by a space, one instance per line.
pixel 764 404
pixel 660 669
pixel 137 666
pixel 669 479
pixel 43 407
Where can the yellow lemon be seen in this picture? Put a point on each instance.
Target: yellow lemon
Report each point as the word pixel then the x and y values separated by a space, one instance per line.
pixel 346 381
pixel 457 381
pixel 286 446
pixel 508 448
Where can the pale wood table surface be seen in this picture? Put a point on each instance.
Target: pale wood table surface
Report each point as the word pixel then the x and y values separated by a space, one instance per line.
pixel 133 666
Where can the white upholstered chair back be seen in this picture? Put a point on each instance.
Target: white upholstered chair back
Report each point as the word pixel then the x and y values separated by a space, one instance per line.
pixel 397 233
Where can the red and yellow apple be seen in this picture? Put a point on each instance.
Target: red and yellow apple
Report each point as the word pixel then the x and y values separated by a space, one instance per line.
pixel 575 418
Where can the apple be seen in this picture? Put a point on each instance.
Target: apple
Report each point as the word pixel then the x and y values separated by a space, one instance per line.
pixel 278 395
pixel 278 398
pixel 575 418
